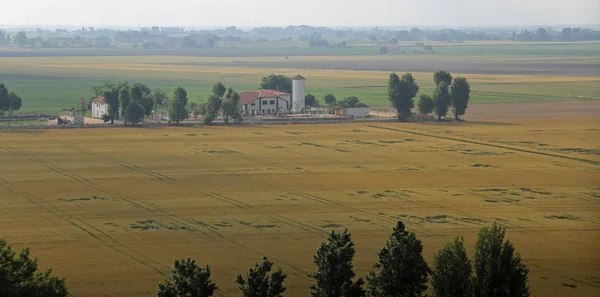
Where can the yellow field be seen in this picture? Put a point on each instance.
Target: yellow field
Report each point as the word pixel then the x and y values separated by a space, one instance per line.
pixel 111 208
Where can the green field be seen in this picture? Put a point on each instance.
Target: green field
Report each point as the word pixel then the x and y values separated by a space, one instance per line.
pixel 498 72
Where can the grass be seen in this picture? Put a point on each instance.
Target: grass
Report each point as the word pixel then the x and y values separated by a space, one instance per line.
pixel 509 73
pixel 170 198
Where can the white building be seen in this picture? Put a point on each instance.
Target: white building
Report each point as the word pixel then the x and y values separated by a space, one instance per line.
pixel 99 107
pixel 264 102
pixel 355 112
pixel 298 84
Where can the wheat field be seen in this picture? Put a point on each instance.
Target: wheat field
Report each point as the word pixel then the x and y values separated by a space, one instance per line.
pixel 110 209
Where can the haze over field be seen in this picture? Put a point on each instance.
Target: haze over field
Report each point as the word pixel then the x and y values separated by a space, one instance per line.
pixel 308 12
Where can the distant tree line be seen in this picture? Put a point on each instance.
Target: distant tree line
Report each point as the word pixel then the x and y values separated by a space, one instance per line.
pixel 448 93
pixel 400 270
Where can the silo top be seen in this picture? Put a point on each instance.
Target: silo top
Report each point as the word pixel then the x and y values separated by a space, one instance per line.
pixel 299 77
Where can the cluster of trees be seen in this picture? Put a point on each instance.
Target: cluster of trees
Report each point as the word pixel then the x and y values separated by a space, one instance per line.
pixel 448 92
pixel 131 102
pixel 224 101
pixel 9 101
pixel 347 102
pixel 400 270
pixel 567 34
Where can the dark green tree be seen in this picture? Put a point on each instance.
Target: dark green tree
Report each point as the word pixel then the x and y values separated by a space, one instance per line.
pixel 81 107
pixel 351 101
pixel 187 279
pixel 219 89
pixel 499 271
pixel 19 276
pixel 231 107
pixel 451 271
pixel 111 97
pixel 279 83
pixel 334 275
pixel 4 102
pixel 460 93
pixel 124 101
pixel 178 109
pixel 259 284
pixel 401 269
pixel 441 98
pixel 135 113
pixel 401 93
pixel 160 97
pixel 442 76
pixel 311 101
pixel 330 100
pixel 213 106
pixel 426 104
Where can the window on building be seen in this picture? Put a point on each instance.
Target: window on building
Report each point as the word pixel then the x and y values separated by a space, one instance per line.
pixel 252 104
pixel 265 102
pixel 272 101
pixel 263 111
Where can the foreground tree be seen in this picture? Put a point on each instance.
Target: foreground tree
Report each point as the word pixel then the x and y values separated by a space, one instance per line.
pixel 9 102
pixel 231 107
pixel 442 76
pixel 279 83
pixel 334 275
pixel 81 107
pixel 451 271
pixel 160 97
pixel 425 105
pixel 401 269
pixel 187 279
pixel 441 98
pixel 401 93
pixel 460 93
pixel 178 109
pixel 4 102
pixel 259 284
pixel 19 276
pixel 499 271
pixel 219 89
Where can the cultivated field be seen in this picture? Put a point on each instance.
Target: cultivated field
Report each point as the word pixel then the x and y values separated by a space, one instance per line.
pixel 51 80
pixel 111 208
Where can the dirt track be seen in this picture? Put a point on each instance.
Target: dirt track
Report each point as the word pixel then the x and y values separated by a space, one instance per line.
pixel 533 110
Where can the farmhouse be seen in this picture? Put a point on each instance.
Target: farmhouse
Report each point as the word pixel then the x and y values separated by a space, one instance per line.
pixel 259 102
pixel 99 107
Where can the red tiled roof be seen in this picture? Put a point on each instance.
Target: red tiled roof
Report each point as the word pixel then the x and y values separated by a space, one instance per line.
pixel 249 96
pixel 98 99
pixel 298 77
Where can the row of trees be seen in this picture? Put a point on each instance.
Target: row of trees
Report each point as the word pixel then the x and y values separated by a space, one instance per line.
pixel 496 271
pixel 9 101
pixel 400 270
pixel 448 92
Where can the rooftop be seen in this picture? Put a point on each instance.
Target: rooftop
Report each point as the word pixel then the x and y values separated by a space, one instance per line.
pixel 98 99
pixel 249 96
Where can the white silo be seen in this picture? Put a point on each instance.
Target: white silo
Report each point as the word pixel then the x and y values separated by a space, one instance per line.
pixel 298 84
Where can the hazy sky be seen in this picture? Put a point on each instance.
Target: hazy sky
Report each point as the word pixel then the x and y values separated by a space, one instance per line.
pixel 296 12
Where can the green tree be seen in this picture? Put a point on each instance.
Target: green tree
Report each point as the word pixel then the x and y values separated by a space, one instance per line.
pixel 442 76
pixel 111 97
pixel 187 279
pixel 81 107
pixel 178 109
pixel 21 38
pixel 311 101
pixel 401 269
pixel 426 104
pixel 160 97
pixel 259 284
pixel 451 271
pixel 19 276
pixel 351 101
pixel 279 83
pixel 499 271
pixel 135 113
pixel 330 100
pixel 401 93
pixel 334 275
pixel 460 93
pixel 4 101
pixel 124 101
pixel 231 107
pixel 14 104
pixel 213 107
pixel 441 98
pixel 219 89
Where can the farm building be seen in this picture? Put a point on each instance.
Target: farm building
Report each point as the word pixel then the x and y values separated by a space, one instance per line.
pixel 355 112
pixel 259 102
pixel 99 107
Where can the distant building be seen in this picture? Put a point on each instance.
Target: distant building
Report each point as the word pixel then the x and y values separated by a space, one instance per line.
pixel 298 98
pixel 265 102
pixel 355 112
pixel 99 107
